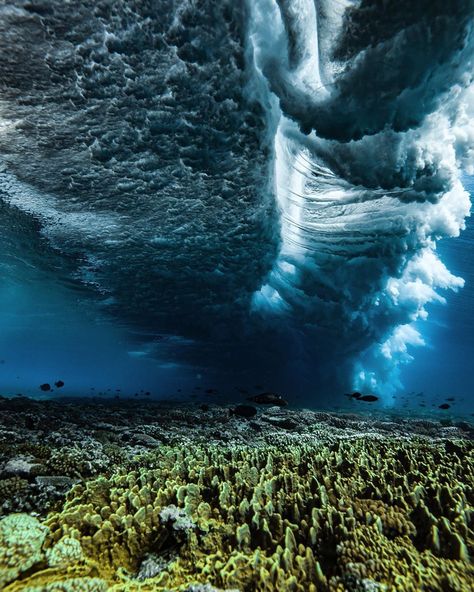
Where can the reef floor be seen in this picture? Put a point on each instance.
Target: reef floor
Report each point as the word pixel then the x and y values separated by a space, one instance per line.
pixel 154 497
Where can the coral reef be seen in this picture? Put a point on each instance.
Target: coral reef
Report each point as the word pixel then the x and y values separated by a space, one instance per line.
pixel 21 541
pixel 339 508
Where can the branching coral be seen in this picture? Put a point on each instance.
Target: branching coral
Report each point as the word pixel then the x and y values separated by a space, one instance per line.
pixel 363 515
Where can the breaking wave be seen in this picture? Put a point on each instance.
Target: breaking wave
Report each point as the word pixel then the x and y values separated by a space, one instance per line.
pixel 374 129
pixel 266 180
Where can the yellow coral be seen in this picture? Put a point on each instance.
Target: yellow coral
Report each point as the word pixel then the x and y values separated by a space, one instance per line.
pixel 21 541
pixel 306 518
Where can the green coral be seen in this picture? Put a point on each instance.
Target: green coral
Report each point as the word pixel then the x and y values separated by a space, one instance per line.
pixel 21 541
pixel 66 552
pixel 71 585
pixel 363 515
pixel 12 488
pixel 74 461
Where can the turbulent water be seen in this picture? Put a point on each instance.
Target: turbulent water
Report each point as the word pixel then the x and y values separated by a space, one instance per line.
pixel 237 190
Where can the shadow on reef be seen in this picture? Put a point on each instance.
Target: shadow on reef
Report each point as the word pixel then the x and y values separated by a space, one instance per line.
pixel 164 498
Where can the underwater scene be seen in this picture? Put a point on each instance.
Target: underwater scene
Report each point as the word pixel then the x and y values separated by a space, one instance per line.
pixel 236 296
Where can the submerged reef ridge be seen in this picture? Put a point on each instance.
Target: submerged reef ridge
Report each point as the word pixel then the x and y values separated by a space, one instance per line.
pixel 324 502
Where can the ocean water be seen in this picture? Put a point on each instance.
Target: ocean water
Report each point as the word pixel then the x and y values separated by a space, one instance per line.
pixel 237 194
pixel 442 367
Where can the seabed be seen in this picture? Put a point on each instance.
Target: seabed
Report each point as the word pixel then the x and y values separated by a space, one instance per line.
pixel 142 496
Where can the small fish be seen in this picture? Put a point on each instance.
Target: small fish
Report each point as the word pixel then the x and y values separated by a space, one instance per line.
pixel 211 391
pixel 59 383
pixel 269 399
pixel 444 406
pixel 243 411
pixel 354 395
pixel 147 393
pixel 204 407
pixel 45 387
pixel 450 399
pixel 368 398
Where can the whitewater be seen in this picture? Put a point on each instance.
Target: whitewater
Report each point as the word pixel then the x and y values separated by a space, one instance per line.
pixel 235 191
pixel 364 195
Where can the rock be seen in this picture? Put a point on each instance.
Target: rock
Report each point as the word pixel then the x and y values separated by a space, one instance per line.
pixel 58 482
pixel 285 423
pixel 151 566
pixel 244 411
pixel 269 398
pixel 20 467
pixel 145 440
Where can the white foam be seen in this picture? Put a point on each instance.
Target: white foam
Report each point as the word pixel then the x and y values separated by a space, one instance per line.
pixel 360 220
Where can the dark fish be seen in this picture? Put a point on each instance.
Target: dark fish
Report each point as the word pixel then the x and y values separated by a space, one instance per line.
pixel 147 393
pixel 243 411
pixel 45 387
pixel 269 399
pixel 368 398
pixel 450 399
pixel 211 391
pixel 59 383
pixel 258 386
pixel 204 407
pixel 354 395
pixel 444 406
